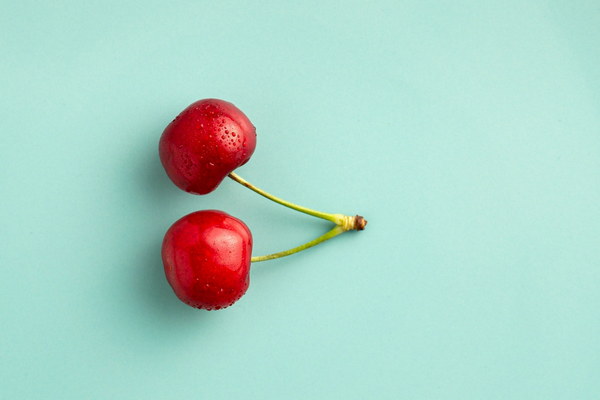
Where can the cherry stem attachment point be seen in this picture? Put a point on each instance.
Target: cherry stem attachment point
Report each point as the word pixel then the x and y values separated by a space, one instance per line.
pixel 343 223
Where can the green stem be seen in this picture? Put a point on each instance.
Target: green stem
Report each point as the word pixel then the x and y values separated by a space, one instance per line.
pixel 335 218
pixel 332 233
pixel 342 222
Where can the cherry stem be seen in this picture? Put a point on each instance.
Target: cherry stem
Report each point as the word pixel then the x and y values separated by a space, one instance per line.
pixel 332 233
pixel 335 218
pixel 343 222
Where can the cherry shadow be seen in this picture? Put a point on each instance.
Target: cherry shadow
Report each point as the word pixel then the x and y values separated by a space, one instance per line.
pixel 150 313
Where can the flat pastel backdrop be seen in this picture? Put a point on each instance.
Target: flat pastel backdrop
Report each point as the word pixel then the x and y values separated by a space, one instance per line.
pixel 468 132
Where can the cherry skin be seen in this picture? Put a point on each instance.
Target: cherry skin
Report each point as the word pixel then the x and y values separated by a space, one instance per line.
pixel 204 143
pixel 206 257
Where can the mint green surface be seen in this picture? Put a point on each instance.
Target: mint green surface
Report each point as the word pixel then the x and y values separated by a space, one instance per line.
pixel 467 132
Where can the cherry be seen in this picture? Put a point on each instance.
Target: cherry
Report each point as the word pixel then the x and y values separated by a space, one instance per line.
pixel 204 143
pixel 206 257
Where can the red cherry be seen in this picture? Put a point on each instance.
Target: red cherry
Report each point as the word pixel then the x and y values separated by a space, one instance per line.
pixel 206 256
pixel 204 143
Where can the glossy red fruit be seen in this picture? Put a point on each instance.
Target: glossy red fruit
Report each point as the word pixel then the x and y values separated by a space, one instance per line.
pixel 204 143
pixel 206 256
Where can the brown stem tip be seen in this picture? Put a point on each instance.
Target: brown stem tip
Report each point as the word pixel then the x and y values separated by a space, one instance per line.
pixel 359 223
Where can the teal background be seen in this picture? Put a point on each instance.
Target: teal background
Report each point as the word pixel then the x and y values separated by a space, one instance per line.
pixel 467 132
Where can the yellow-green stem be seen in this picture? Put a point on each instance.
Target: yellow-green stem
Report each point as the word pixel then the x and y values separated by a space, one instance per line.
pixel 332 233
pixel 342 222
pixel 335 218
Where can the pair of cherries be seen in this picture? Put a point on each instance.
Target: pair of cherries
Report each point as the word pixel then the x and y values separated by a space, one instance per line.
pixel 207 254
